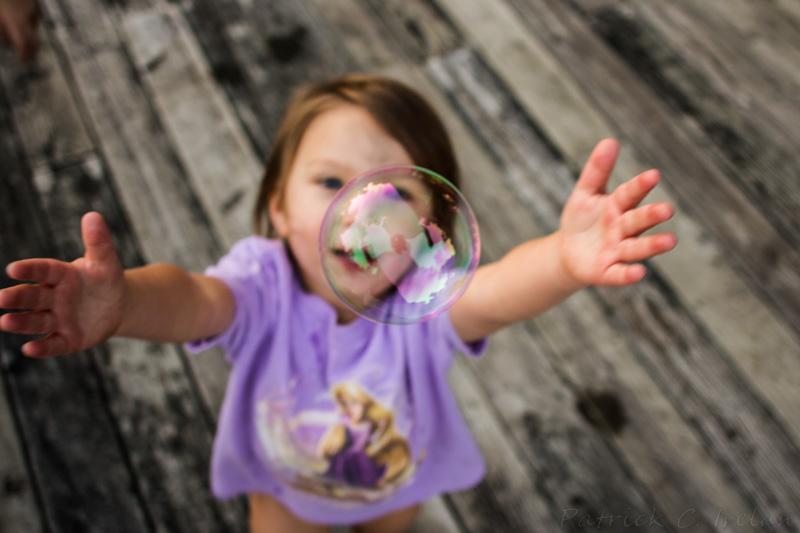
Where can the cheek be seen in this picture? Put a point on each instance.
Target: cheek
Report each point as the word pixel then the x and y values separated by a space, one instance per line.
pixel 304 241
pixel 306 225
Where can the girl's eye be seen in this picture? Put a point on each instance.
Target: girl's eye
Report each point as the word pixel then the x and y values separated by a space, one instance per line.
pixel 331 183
pixel 404 194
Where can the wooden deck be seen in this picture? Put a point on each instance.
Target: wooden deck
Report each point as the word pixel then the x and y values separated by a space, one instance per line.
pixel 672 405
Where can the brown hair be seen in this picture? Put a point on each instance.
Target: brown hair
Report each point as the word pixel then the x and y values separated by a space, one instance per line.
pixel 399 110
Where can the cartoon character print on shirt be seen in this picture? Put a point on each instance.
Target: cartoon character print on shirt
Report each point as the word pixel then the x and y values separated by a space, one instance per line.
pixel 344 445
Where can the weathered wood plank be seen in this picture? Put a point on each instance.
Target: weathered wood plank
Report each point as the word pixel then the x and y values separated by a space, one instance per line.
pixel 748 116
pixel 787 8
pixel 763 44
pixel 260 52
pixel 45 113
pixel 741 432
pixel 417 29
pixel 131 137
pixel 17 499
pixel 147 390
pixel 436 516
pixel 172 480
pixel 650 444
pixel 713 290
pixel 758 250
pixel 568 459
pixel 564 111
pixel 360 41
pixel 159 203
pixel 515 143
pixel 18 507
pixel 213 150
pixel 618 396
pixel 71 440
pixel 509 497
pixel 518 381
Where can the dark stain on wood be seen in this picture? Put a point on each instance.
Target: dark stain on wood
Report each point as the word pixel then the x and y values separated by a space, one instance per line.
pixel 414 30
pixel 153 64
pixel 533 425
pixel 603 410
pixel 232 201
pixel 13 485
pixel 287 47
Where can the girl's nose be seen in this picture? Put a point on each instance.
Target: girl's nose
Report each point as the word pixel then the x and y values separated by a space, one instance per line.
pixel 348 218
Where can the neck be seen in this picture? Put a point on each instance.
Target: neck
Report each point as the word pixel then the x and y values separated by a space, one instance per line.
pixel 345 316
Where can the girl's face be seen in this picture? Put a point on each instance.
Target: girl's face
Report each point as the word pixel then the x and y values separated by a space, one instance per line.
pixel 339 145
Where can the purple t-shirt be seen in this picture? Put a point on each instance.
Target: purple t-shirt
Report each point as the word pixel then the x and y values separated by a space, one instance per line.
pixel 341 423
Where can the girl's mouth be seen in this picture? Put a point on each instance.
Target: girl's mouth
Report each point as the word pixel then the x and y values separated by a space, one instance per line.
pixel 360 258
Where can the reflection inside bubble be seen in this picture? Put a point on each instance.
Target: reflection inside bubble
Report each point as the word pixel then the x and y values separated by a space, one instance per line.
pixel 399 244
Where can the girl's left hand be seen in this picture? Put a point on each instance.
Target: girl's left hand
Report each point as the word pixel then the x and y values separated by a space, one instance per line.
pixel 601 237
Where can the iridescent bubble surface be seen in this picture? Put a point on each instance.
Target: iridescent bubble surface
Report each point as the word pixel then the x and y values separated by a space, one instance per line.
pixel 399 244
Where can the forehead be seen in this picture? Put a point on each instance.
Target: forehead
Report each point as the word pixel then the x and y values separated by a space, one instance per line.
pixel 350 136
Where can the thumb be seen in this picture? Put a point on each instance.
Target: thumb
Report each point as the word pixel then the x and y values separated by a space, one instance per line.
pixel 97 239
pixel 598 167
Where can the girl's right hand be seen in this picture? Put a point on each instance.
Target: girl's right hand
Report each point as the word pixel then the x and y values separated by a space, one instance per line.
pixel 75 305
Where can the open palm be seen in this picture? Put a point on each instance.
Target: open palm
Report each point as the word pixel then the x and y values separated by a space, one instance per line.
pixel 602 233
pixel 75 305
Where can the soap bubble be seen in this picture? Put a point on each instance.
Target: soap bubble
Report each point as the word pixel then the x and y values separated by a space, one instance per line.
pixel 399 244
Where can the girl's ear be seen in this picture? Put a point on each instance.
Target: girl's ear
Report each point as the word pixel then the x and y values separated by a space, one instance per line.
pixel 278 216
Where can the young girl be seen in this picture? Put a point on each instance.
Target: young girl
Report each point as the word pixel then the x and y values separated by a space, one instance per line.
pixel 293 344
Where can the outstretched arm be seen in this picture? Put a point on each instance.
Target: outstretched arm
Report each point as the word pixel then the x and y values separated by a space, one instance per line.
pixel 80 304
pixel 599 243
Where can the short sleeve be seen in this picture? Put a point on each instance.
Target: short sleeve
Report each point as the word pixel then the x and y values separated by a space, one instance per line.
pixel 252 270
pixel 443 335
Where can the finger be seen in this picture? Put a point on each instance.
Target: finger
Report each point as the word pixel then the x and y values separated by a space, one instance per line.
pixel 31 323
pixel 595 173
pixel 26 297
pixel 97 238
pixel 46 271
pixel 49 346
pixel 632 192
pixel 639 220
pixel 641 248
pixel 623 274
